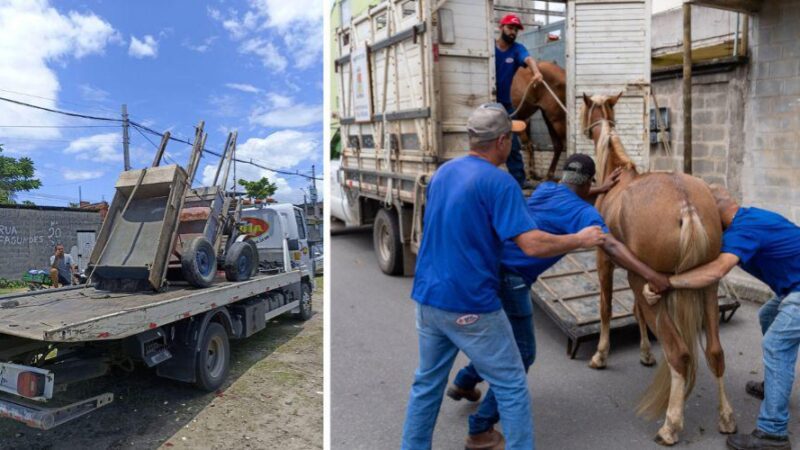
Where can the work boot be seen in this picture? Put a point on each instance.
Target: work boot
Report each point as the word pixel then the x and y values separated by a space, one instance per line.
pixel 755 388
pixel 758 440
pixel 457 393
pixel 488 440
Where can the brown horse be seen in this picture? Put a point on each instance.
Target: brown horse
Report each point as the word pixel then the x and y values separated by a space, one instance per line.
pixel 671 222
pixel 538 98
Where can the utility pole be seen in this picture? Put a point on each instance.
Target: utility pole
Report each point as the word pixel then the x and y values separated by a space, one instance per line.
pixel 687 88
pixel 313 190
pixel 80 197
pixel 125 138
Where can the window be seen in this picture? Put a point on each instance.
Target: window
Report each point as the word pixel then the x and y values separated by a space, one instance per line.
pixel 380 22
pixel 301 226
pixel 409 8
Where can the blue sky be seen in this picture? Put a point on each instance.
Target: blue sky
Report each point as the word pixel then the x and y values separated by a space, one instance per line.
pixel 250 65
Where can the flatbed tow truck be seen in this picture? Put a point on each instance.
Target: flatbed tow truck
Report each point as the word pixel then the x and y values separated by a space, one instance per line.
pixel 53 339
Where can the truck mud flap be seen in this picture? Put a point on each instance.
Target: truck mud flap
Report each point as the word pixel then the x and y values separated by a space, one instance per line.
pixel 46 418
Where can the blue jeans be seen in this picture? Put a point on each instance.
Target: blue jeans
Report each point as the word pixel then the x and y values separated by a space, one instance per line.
pixel 488 341
pixel 516 167
pixel 780 324
pixel 516 298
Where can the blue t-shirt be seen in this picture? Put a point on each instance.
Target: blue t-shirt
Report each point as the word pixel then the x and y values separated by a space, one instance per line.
pixel 556 210
pixel 472 207
pixel 768 247
pixel 506 64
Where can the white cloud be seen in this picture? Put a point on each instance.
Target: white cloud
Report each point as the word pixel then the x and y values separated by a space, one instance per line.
pixel 34 37
pixel 93 94
pixel 269 54
pixel 283 149
pixel 147 48
pixel 282 14
pixel 243 87
pixel 80 175
pixel 284 112
pixel 201 48
pixel 285 18
pixel 106 147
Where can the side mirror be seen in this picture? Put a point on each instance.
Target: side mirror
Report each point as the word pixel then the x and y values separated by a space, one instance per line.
pixel 293 244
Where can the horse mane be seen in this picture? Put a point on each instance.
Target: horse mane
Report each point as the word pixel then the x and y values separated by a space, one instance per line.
pixel 609 144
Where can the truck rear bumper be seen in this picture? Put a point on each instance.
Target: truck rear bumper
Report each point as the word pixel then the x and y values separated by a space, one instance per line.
pixel 43 418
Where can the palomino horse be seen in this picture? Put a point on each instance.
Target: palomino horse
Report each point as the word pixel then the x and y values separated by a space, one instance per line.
pixel 538 98
pixel 671 222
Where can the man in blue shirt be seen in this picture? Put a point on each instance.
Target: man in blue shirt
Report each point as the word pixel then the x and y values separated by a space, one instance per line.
pixel 767 246
pixel 472 207
pixel 509 56
pixel 557 209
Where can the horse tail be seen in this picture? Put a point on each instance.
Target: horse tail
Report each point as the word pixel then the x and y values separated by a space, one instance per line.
pixel 686 308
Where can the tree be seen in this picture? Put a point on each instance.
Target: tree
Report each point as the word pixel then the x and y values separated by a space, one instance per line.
pixel 16 175
pixel 262 188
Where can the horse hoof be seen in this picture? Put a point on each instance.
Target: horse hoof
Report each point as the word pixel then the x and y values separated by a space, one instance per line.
pixel 666 438
pixel 647 360
pixel 727 426
pixel 597 362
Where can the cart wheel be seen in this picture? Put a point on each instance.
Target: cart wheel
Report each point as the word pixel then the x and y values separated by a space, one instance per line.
pixel 386 239
pixel 239 262
pixel 305 304
pixel 256 260
pixel 213 358
pixel 199 262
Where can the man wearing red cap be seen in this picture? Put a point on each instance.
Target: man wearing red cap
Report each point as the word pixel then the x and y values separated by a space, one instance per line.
pixel 508 57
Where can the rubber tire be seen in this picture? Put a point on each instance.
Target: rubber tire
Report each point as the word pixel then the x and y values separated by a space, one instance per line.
pixel 386 242
pixel 204 379
pixel 256 261
pixel 305 304
pixel 234 270
pixel 190 268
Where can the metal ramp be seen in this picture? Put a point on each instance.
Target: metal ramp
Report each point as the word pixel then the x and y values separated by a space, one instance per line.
pixel 570 295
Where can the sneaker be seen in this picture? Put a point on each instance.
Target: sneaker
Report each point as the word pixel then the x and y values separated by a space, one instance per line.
pixel 457 393
pixel 755 388
pixel 758 440
pixel 488 440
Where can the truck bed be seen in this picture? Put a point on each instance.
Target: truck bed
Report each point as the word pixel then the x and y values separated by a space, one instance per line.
pixel 87 314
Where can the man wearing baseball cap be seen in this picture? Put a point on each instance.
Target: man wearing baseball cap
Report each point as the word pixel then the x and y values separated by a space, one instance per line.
pixel 472 208
pixel 509 56
pixel 558 209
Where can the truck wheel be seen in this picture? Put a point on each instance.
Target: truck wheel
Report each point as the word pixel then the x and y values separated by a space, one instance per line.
pixel 305 304
pixel 213 358
pixel 239 262
pixel 386 240
pixel 256 260
pixel 199 262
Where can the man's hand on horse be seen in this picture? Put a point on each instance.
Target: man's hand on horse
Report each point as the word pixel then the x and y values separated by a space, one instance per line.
pixel 591 237
pixel 655 288
pixel 610 182
pixel 537 77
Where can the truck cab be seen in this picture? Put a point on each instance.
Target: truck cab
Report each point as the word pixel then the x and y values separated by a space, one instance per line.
pixel 281 236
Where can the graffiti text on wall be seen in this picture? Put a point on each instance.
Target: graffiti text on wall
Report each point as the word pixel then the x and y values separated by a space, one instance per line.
pixel 10 236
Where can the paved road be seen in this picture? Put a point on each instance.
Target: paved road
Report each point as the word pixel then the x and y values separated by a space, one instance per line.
pixel 374 354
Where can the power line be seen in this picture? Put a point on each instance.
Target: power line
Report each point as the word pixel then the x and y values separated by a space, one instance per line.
pixel 59 126
pixel 150 130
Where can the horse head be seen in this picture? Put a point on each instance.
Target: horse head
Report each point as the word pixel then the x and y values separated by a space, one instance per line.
pixel 598 110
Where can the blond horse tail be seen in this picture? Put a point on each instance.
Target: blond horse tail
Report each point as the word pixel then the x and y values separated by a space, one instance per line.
pixel 685 307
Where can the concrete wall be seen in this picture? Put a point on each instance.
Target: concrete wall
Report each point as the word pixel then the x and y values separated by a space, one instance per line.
pixel 717 117
pixel 746 122
pixel 709 26
pixel 28 235
pixel 771 166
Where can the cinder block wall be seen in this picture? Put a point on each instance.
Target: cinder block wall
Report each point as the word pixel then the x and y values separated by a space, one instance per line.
pixel 771 165
pixel 717 127
pixel 28 236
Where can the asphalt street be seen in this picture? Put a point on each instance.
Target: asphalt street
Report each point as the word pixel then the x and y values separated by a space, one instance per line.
pixel 374 355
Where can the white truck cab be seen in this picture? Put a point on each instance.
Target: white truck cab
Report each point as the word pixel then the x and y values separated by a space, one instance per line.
pixel 281 236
